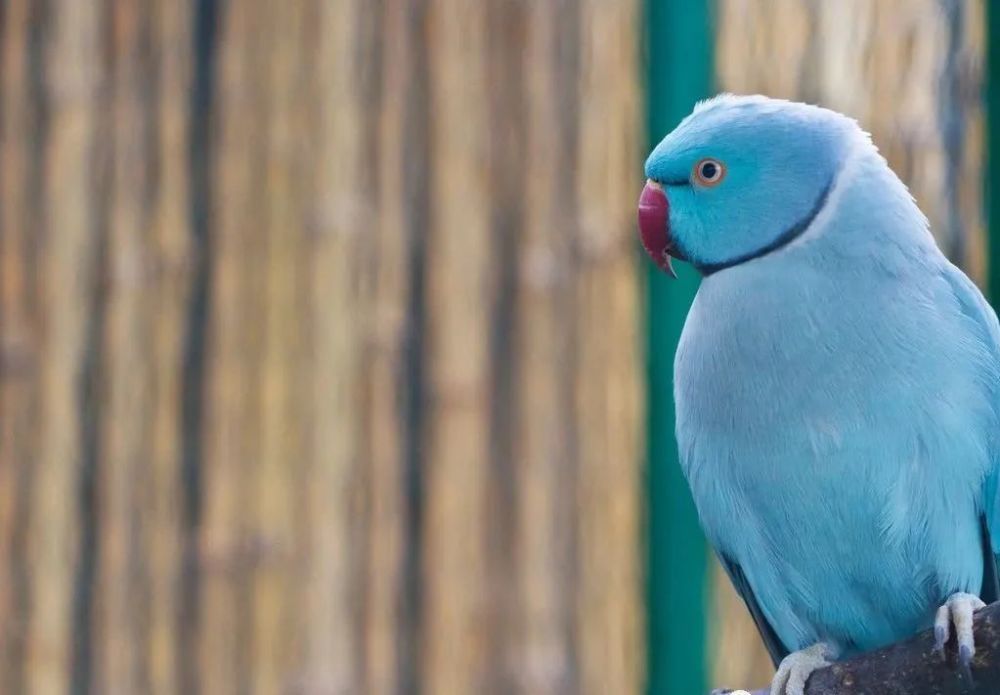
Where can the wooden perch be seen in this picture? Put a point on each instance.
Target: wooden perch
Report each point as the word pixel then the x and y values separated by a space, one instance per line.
pixel 911 667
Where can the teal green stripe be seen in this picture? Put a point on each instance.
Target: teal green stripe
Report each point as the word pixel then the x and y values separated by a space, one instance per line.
pixel 679 71
pixel 992 202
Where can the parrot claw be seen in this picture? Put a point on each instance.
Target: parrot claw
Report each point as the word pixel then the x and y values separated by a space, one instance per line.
pixel 940 637
pixel 958 610
pixel 795 669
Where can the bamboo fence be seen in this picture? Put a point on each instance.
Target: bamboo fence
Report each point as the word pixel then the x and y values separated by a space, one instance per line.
pixel 320 347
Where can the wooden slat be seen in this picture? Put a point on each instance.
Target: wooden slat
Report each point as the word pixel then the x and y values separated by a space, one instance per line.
pixel 991 27
pixel 171 239
pixel 386 503
pixel 122 598
pixel 607 393
pixel 20 328
pixel 546 446
pixel 505 131
pixel 67 266
pixel 284 369
pixel 229 550
pixel 333 659
pixel 459 281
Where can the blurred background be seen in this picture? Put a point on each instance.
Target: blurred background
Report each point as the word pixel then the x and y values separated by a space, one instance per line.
pixel 328 360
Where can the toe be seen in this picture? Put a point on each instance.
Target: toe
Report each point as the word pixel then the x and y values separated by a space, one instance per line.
pixel 797 683
pixel 795 669
pixel 962 606
pixel 963 631
pixel 965 654
pixel 779 680
pixel 942 625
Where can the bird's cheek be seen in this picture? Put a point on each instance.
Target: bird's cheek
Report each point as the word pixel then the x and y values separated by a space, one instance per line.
pixel 654 225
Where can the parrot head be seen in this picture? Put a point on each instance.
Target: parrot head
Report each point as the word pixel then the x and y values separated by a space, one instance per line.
pixel 739 178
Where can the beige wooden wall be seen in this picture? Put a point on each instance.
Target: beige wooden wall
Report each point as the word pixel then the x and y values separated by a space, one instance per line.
pixel 319 328
pixel 910 71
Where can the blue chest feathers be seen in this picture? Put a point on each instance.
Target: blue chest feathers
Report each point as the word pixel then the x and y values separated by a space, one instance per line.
pixel 835 429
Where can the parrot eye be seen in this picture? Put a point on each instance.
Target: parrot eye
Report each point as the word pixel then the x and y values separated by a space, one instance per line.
pixel 709 172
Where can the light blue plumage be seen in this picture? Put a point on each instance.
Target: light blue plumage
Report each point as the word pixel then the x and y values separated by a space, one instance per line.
pixel 837 381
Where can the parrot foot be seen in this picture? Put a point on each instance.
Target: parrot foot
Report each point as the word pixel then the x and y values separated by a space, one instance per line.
pixel 958 609
pixel 795 669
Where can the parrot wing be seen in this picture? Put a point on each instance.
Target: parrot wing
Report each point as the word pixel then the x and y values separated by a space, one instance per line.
pixel 775 648
pixel 990 590
pixel 975 307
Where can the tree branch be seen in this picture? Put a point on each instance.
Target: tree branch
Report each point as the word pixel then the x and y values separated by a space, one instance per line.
pixel 912 668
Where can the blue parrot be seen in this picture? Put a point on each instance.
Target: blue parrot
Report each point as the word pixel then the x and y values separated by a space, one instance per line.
pixel 837 384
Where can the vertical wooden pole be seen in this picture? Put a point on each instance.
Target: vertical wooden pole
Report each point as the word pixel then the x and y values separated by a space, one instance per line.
pixel 608 385
pixel 284 363
pixel 174 264
pixel 460 280
pixel 61 506
pixel 334 653
pixel 233 409
pixel 679 40
pixel 546 446
pixel 21 139
pixel 387 507
pixel 992 203
pixel 122 602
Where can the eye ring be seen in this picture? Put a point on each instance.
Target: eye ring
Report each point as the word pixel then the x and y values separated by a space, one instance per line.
pixel 709 172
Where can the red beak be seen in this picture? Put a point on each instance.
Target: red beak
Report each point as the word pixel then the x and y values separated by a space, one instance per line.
pixel 654 225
